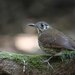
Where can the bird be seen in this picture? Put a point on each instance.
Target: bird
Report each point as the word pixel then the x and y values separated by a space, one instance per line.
pixel 51 40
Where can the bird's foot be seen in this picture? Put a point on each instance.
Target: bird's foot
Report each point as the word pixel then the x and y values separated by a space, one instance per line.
pixel 47 61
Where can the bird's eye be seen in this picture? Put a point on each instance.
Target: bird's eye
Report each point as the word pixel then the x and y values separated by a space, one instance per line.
pixel 42 26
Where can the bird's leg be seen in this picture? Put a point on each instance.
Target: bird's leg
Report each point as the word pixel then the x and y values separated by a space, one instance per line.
pixel 47 61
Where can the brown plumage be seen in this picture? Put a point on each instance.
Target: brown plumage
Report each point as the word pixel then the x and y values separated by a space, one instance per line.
pixel 52 40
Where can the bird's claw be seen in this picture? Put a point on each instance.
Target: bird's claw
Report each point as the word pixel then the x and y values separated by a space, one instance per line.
pixel 47 61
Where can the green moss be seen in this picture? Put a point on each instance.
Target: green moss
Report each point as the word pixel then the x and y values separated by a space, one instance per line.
pixel 12 56
pixel 35 61
pixel 68 55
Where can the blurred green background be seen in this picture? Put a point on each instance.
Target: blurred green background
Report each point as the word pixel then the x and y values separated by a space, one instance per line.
pixel 16 14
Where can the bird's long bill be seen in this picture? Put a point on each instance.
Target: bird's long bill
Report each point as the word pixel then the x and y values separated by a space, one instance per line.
pixel 31 24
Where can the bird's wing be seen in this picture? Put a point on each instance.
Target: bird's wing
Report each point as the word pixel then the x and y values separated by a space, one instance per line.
pixel 65 41
pixel 55 39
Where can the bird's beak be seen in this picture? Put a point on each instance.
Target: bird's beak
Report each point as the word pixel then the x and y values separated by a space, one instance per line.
pixel 31 24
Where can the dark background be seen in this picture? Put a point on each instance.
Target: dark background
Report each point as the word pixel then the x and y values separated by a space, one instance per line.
pixel 15 14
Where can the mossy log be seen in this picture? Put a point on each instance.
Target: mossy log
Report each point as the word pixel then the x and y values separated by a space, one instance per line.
pixel 24 64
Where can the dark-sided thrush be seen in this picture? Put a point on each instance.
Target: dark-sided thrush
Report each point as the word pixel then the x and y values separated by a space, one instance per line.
pixel 51 40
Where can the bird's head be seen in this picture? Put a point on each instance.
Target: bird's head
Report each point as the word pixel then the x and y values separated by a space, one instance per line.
pixel 40 26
